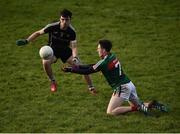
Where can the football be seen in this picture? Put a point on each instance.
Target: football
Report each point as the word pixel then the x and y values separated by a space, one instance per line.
pixel 46 52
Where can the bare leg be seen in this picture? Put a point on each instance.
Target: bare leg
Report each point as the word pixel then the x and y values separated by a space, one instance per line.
pixel 115 106
pixel 48 69
pixel 88 80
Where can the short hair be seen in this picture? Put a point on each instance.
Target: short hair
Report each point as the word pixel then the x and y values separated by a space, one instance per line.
pixel 66 13
pixel 106 44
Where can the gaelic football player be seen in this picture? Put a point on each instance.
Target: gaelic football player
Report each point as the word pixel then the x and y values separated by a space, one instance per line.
pixel 123 88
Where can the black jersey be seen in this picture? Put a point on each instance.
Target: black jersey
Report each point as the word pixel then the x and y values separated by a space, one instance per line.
pixel 58 38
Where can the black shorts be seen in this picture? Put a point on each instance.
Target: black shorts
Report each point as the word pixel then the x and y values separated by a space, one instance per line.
pixel 63 53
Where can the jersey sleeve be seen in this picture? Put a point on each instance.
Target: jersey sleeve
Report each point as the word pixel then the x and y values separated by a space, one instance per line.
pixel 98 65
pixel 49 28
pixel 73 35
pixel 83 69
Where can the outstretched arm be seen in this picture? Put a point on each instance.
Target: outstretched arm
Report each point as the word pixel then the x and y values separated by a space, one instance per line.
pixel 81 69
pixel 32 37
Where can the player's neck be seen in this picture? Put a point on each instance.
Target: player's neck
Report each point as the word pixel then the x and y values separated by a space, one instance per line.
pixel 105 55
pixel 63 27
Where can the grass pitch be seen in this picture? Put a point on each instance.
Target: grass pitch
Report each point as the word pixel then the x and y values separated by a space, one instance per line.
pixel 146 38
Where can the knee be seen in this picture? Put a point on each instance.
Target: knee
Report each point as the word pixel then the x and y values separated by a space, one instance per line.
pixel 46 62
pixel 109 112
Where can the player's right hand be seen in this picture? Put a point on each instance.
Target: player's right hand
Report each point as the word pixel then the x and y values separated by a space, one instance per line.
pixel 21 42
pixel 66 69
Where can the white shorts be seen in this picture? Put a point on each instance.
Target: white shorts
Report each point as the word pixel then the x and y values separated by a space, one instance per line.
pixel 128 92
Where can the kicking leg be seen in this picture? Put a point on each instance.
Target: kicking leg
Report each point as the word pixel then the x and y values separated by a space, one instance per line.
pixel 48 70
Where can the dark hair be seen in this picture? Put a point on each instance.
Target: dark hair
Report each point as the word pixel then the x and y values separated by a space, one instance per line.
pixel 106 44
pixel 65 13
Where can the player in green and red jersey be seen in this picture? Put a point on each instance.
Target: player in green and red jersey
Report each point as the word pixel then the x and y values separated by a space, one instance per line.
pixel 123 88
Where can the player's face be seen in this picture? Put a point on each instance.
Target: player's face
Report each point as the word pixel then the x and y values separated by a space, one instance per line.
pixel 64 22
pixel 100 51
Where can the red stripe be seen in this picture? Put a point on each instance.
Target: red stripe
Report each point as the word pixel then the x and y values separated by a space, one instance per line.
pixel 112 64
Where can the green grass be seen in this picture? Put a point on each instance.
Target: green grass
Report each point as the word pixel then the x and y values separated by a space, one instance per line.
pixel 146 38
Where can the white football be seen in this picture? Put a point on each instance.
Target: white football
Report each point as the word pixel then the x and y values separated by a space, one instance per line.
pixel 46 52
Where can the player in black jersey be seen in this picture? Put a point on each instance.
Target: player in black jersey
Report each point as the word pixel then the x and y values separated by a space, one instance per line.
pixel 62 39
